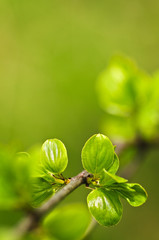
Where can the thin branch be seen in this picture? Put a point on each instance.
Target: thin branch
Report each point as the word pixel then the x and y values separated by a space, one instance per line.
pixel 31 221
pixel 60 195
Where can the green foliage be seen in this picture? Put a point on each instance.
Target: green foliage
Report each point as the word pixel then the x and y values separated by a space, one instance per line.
pixel 107 178
pixel 6 234
pixel 15 181
pixel 47 177
pixel 54 156
pixel 41 190
pixel 97 153
pixel 30 179
pixel 114 167
pixel 130 99
pixel 69 222
pixel 105 206
pixel 103 202
pixel 8 194
pixel 133 193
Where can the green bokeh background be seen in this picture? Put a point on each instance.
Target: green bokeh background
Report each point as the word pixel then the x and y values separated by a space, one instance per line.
pixel 51 54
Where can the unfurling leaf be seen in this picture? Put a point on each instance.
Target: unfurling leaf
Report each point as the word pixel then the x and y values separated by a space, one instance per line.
pixel 54 156
pixel 97 153
pixel 105 206
pixel 106 178
pixel 134 193
pixel 41 191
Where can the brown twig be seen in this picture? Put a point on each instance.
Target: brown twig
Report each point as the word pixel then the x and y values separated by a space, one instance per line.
pixel 32 220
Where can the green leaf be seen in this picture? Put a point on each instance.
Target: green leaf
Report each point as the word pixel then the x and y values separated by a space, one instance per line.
pixel 38 169
pixel 106 178
pixel 22 170
pixel 121 129
pixel 54 156
pixel 69 222
pixel 8 195
pixel 24 180
pixel 15 179
pixel 18 187
pixel 148 114
pixel 116 86
pixel 114 167
pixel 7 234
pixel 41 191
pixel 134 193
pixel 97 153
pixel 129 97
pixel 35 186
pixel 105 206
pixel 10 234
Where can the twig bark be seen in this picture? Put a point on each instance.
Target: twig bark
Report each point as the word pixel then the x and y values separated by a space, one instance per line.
pixel 32 220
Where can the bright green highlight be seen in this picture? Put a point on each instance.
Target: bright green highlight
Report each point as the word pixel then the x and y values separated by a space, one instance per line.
pixel 54 156
pixel 99 158
pixel 97 153
pixel 105 206
pixel 134 193
pixel 129 97
pixel 27 180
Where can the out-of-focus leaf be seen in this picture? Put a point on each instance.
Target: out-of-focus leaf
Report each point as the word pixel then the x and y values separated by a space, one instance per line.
pixel 10 234
pixel 68 222
pixel 7 234
pixel 21 183
pixel 8 194
pixel 105 206
pixel 22 170
pixel 38 169
pixel 130 97
pixel 107 178
pixel 116 87
pixel 120 129
pixel 34 190
pixel 41 191
pixel 134 193
pixel 97 153
pixel 147 114
pixel 54 156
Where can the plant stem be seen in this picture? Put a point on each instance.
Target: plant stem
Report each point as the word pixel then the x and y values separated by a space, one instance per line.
pixel 32 220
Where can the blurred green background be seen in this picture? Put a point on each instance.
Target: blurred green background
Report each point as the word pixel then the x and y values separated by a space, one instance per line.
pixel 51 54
